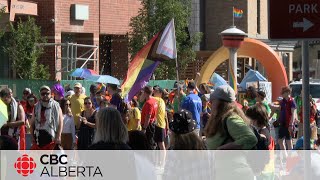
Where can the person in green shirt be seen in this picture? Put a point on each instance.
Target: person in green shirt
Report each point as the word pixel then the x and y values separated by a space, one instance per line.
pixel 226 113
pixel 260 98
pixel 179 96
pixel 227 116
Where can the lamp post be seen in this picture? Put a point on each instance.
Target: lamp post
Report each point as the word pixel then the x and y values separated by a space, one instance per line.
pixel 232 38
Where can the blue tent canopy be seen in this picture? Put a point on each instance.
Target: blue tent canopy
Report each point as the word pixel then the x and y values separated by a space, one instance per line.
pixel 252 76
pixel 217 80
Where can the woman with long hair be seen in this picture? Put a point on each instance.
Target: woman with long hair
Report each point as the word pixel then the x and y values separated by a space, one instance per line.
pixel 260 120
pixel 31 103
pixel 87 123
pixel 228 127
pixel 68 139
pixel 111 133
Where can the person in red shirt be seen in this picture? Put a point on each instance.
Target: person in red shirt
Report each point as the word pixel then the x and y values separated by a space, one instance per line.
pixel 24 101
pixel 148 115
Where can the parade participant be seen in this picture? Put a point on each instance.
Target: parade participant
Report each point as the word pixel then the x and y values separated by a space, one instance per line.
pixel 226 116
pixel 116 97
pixel 203 89
pixel 47 122
pixel 26 93
pixel 179 96
pixel 260 120
pixel 68 139
pixel 93 94
pixel 148 115
pixel 184 135
pixel 286 119
pixel 111 133
pixel 205 113
pixel 31 102
pixel 58 92
pixel 134 117
pixel 250 98
pixel 86 125
pixel 260 98
pixel 16 118
pixel 313 113
pixel 160 134
pixel 193 104
pixel 77 101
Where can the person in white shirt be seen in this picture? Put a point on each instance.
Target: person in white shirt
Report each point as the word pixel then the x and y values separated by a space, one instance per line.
pixel 68 139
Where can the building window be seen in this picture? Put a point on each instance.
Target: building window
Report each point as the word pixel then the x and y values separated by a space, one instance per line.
pixel 318 55
pixel 258 16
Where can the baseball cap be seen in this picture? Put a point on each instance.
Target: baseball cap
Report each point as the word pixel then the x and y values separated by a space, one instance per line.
pixel 225 93
pixel 45 87
pixel 77 85
pixel 157 88
pixel 27 90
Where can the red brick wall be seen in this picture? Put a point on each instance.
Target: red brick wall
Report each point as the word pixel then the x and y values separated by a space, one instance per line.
pixel 116 14
pixel 45 15
pixel 65 24
pixel 119 56
pixel 114 20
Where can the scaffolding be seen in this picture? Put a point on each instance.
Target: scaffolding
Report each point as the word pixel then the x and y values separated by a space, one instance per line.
pixel 70 59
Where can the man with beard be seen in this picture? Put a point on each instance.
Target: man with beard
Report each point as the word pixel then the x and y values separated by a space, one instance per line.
pixel 16 118
pixel 47 122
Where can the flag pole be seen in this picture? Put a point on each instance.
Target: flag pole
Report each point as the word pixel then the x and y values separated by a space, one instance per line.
pixel 233 16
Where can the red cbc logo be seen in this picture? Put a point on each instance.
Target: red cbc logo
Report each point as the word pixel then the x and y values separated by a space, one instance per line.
pixel 25 165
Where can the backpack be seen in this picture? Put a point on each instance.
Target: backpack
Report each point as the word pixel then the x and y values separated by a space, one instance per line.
pixel 261 145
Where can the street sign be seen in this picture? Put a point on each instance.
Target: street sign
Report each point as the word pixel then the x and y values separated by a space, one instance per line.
pixel 294 19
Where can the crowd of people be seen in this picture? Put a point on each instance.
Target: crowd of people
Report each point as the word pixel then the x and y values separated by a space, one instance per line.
pixel 186 117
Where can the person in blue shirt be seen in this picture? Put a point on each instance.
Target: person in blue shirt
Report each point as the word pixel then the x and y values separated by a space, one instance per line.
pixel 193 104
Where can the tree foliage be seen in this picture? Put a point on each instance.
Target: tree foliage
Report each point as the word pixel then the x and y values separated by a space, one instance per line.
pixel 24 51
pixel 153 17
pixel 1 30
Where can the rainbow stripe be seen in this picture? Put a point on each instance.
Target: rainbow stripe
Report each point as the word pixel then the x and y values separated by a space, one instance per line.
pixel 232 78
pixel 161 47
pixel 237 13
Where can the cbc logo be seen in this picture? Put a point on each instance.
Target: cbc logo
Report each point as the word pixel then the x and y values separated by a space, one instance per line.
pixel 25 165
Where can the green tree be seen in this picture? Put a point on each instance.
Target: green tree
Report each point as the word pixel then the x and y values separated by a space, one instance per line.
pixel 154 16
pixel 24 51
pixel 1 30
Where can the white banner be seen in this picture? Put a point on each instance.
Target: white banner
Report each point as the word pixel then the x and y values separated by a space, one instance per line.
pixel 149 165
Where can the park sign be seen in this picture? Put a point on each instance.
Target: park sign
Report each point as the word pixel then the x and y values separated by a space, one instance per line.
pixel 13 7
pixel 294 19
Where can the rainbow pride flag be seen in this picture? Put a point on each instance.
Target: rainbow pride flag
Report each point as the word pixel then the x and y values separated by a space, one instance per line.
pixel 237 13
pixel 232 78
pixel 161 47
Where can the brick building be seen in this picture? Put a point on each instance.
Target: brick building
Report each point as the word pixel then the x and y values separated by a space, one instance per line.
pixel 85 30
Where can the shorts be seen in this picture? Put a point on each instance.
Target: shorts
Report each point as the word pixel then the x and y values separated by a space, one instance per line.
pixel 284 133
pixel 159 134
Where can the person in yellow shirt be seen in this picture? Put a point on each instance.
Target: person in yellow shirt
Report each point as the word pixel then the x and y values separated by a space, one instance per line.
pixel 77 102
pixel 134 117
pixel 159 135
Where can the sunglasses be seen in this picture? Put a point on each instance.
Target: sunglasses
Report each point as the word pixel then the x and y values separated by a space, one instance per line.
pixel 87 103
pixel 26 93
pixel 68 104
pixel 45 94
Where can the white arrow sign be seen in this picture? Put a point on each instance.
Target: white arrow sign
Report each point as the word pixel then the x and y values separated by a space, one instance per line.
pixel 306 24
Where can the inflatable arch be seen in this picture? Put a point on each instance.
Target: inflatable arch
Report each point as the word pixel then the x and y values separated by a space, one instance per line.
pixel 256 49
